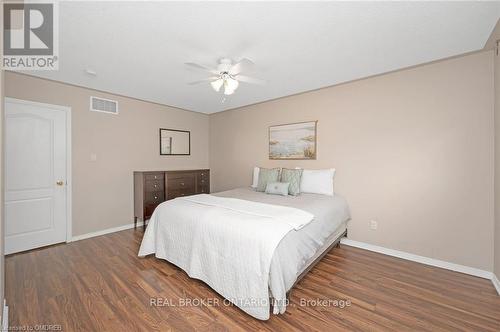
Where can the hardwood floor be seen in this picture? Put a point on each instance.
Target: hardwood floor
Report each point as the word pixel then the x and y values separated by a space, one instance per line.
pixel 100 284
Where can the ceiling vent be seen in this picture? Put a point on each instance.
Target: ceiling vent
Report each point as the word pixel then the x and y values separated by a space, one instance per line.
pixel 103 105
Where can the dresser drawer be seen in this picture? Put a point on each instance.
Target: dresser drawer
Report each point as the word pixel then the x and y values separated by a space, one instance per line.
pixel 149 209
pixel 154 185
pixel 154 176
pixel 180 183
pixel 152 188
pixel 179 193
pixel 154 197
pixel 203 182
pixel 204 190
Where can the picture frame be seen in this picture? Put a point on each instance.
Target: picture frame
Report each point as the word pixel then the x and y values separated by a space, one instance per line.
pixel 175 142
pixel 293 141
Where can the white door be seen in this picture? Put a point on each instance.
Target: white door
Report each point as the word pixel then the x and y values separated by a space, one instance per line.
pixel 35 175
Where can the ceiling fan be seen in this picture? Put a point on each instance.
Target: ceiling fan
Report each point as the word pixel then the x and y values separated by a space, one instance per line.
pixel 227 75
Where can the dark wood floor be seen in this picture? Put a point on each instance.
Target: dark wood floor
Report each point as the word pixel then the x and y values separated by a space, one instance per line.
pixel 100 284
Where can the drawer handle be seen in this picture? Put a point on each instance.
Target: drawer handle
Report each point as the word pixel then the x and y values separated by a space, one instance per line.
pixel 156 177
pixel 202 174
pixel 156 197
pixel 182 183
pixel 156 186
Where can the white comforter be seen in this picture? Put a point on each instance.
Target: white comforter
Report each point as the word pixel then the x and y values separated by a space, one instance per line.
pixel 226 242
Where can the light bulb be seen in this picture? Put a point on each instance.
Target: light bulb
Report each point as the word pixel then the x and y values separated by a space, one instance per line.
pixel 216 85
pixel 232 84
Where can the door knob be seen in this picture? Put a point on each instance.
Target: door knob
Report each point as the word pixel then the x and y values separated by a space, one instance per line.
pixel 60 182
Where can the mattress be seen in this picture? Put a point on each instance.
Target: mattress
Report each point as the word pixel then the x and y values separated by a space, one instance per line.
pixel 299 247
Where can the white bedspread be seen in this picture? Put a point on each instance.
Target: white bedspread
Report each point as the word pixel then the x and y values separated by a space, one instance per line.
pixel 331 214
pixel 228 243
pixel 294 217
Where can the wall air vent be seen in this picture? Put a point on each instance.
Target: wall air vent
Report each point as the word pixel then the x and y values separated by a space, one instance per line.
pixel 103 105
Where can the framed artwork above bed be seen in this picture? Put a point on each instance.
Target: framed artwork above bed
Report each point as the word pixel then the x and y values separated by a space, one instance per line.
pixel 293 141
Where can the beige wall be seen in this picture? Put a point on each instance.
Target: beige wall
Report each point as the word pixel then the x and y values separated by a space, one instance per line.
pixel 497 161
pixel 413 150
pixel 103 190
pixel 492 45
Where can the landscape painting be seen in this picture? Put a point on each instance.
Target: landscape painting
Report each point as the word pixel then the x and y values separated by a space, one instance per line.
pixel 293 141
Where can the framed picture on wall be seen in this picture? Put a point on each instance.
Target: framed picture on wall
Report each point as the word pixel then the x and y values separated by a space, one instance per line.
pixel 175 142
pixel 293 141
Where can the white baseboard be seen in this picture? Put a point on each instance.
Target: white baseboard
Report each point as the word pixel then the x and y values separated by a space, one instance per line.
pixel 496 283
pixel 5 316
pixel 103 232
pixel 421 259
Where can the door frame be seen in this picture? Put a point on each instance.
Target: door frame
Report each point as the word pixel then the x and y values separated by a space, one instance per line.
pixel 69 202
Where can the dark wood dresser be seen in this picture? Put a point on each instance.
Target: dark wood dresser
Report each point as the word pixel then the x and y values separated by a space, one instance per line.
pixel 152 188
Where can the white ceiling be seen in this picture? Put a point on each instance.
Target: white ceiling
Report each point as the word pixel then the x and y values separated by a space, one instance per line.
pixel 139 49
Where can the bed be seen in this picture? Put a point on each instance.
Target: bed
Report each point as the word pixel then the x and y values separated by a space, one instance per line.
pixel 243 254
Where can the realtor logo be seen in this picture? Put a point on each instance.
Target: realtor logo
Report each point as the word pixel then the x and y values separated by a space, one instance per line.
pixel 30 36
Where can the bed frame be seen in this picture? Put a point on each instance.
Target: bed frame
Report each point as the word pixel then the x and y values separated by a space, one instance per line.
pixel 335 243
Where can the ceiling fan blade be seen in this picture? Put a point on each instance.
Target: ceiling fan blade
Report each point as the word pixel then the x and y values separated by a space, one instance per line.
pixel 197 66
pixel 251 80
pixel 238 67
pixel 208 79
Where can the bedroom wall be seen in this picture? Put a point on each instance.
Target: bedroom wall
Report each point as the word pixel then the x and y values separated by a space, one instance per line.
pixel 103 189
pixel 491 44
pixel 497 157
pixel 413 150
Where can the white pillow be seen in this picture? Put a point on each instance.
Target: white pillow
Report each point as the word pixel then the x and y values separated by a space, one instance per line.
pixel 255 181
pixel 317 181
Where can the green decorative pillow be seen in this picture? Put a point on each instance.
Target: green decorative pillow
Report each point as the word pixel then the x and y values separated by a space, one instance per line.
pixel 267 175
pixel 277 188
pixel 292 176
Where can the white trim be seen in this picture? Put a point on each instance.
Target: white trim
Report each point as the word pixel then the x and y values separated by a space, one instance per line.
pixel 69 197
pixel 496 283
pixel 35 103
pixel 420 259
pixel 103 232
pixel 69 178
pixel 5 316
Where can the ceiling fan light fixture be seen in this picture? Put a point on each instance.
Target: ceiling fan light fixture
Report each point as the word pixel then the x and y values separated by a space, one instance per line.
pixel 217 84
pixel 227 76
pixel 232 84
